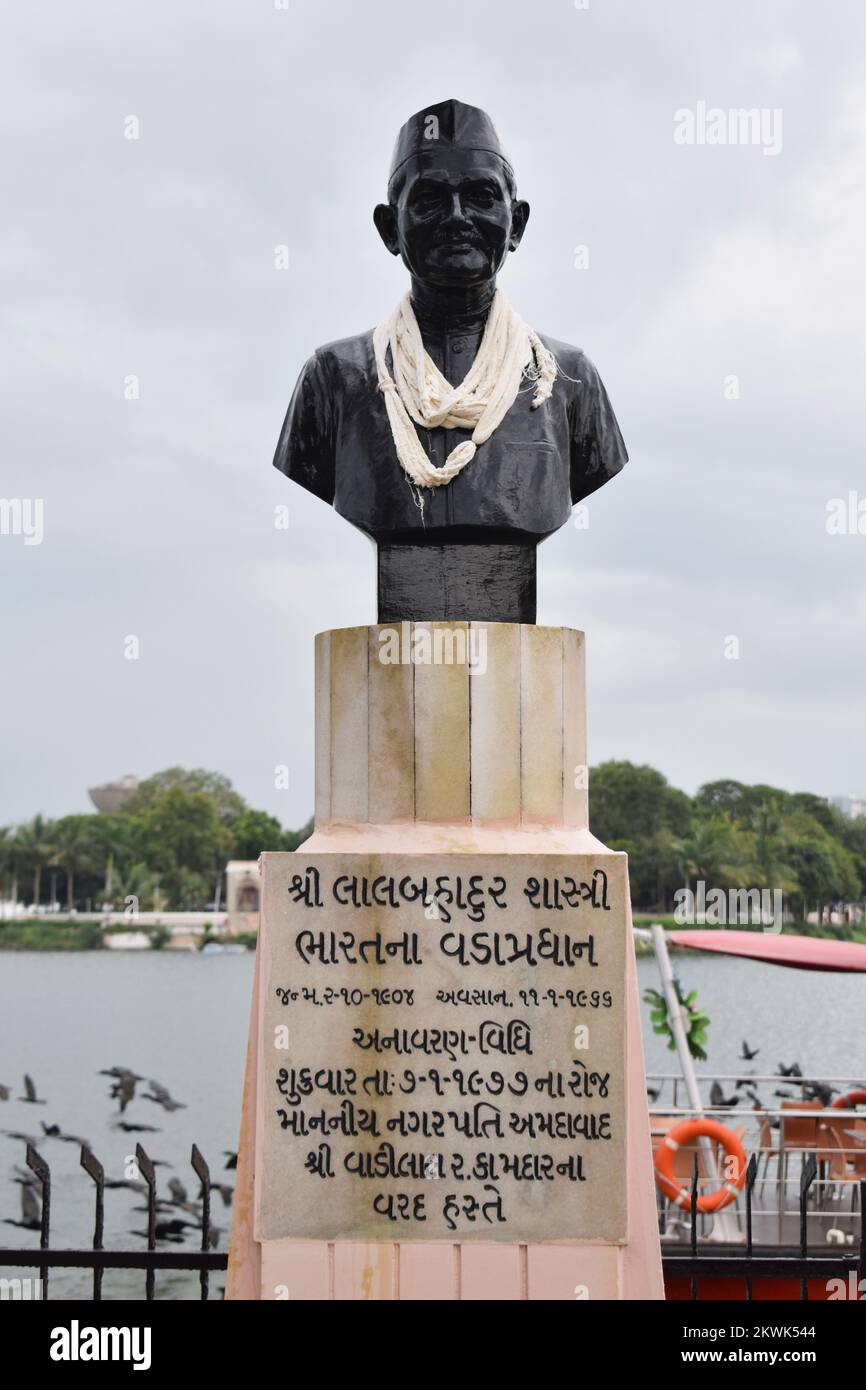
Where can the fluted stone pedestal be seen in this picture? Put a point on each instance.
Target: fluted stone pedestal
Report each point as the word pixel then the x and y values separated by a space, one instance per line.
pixel 455 743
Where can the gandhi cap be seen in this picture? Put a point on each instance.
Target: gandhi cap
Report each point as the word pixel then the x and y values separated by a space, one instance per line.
pixel 449 124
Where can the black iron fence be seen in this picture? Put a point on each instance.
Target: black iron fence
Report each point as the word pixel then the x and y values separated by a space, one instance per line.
pixel 706 1262
pixel 702 1262
pixel 205 1260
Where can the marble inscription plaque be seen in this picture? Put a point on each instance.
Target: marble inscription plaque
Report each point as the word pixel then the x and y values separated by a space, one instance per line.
pixel 441 1047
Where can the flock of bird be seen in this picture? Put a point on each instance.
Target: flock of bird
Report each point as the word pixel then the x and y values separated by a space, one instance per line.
pixel 809 1090
pixel 170 1226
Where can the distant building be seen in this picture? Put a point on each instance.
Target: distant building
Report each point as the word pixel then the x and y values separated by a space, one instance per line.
pixel 243 895
pixel 850 804
pixel 113 796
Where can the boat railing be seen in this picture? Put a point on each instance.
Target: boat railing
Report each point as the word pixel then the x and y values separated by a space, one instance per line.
pixel 784 1138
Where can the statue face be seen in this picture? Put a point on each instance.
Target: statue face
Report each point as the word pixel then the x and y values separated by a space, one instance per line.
pixel 454 219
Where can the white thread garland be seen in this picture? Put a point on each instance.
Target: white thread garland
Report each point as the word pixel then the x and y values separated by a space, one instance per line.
pixel 509 351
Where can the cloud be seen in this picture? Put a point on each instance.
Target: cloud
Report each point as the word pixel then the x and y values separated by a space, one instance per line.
pixel 155 258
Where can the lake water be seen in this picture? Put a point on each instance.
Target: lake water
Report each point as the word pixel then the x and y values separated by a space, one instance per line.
pixel 182 1019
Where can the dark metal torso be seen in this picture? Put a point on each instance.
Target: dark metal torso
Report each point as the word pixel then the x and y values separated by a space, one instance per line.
pixel 465 550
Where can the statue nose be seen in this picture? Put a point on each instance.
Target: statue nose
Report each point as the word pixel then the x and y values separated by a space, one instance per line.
pixel 456 213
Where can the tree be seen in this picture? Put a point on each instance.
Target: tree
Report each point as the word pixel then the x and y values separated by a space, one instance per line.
pixel 771 845
pixel 8 862
pixel 293 838
pixel 180 834
pixel 628 803
pixel 74 849
pixel 35 846
pixel 826 872
pixel 714 853
pixel 725 795
pixel 229 803
pixel 255 831
pixel 114 846
pixel 131 881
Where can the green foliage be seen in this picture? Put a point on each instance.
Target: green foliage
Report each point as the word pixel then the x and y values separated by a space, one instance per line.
pixel 294 838
pixel 729 835
pixel 46 935
pixel 630 802
pixel 696 1022
pixel 167 848
pixel 214 785
pixel 255 831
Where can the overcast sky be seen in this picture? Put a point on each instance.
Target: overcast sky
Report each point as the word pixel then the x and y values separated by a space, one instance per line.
pixel 262 126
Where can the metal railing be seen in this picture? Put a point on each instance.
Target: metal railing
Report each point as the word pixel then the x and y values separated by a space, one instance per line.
pixel 205 1260
pixel 702 1262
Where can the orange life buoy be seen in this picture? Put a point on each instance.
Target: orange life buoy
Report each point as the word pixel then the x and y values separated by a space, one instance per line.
pixel 848 1102
pixel 681 1134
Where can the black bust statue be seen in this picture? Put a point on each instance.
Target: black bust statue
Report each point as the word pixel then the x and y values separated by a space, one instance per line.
pixel 456 523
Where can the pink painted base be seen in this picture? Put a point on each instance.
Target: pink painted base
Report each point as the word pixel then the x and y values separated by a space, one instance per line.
pixel 556 1270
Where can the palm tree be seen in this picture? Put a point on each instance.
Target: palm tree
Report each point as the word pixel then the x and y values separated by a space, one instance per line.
pixel 8 860
pixel 73 850
pixel 771 850
pixel 35 845
pixel 131 881
pixel 714 852
pixel 111 839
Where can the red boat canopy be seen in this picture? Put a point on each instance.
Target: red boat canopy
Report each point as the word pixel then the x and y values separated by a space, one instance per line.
pixel 801 952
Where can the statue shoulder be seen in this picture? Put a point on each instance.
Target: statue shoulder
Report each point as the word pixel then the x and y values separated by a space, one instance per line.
pixel 344 355
pixel 574 364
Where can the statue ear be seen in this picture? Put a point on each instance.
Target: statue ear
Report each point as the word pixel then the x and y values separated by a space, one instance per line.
pixel 519 219
pixel 385 218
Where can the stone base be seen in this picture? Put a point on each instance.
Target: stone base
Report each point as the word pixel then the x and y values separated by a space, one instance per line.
pixel 431 761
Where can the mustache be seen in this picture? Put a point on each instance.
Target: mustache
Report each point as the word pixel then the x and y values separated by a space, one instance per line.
pixel 460 238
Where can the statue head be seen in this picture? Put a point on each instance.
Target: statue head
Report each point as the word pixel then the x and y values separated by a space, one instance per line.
pixel 452 213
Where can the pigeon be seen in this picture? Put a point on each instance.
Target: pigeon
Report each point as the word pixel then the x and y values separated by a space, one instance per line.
pixel 175 1237
pixel 31 1139
pixel 816 1090
pixel 161 1204
pixel 793 1070
pixel 177 1190
pixel 176 1226
pixel 29 1179
pixel 123 1091
pixel 719 1100
pixel 653 1092
pixel 55 1132
pixel 5 1092
pixel 31 1098
pixel 747 1053
pixel 136 1129
pixel 231 1158
pixel 31 1214
pixel 162 1096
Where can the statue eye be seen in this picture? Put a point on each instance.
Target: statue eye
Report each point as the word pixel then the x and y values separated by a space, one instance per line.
pixel 427 198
